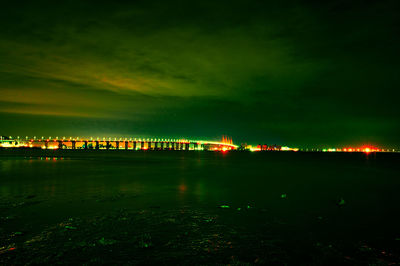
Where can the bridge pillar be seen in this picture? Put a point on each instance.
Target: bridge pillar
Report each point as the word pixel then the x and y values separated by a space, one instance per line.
pixel 97 145
pixel 86 145
pixel 134 145
pixel 156 145
pixel 126 145
pixel 60 145
pixel 187 146
pixel 162 145
pixel 108 145
pixel 117 145
pixel 195 146
pixel 73 144
pixel 142 145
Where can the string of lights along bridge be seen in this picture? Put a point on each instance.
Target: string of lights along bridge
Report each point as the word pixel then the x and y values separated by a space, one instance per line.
pixel 109 143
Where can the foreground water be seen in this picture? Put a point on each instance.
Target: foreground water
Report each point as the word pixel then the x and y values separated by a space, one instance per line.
pixel 176 207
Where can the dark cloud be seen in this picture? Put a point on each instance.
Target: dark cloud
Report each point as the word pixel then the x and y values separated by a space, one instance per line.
pixel 303 73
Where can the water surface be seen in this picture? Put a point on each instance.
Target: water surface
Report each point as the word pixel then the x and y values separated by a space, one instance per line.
pixel 288 200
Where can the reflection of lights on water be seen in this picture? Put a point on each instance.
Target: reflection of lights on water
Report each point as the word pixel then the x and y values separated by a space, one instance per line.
pixel 49 158
pixel 182 187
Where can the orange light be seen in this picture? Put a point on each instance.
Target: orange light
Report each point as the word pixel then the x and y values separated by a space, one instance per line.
pixel 182 188
pixel 367 150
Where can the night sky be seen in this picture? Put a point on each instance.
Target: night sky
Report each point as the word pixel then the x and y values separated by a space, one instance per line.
pixel 297 73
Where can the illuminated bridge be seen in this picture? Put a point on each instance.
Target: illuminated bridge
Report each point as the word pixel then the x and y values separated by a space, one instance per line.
pixel 116 143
